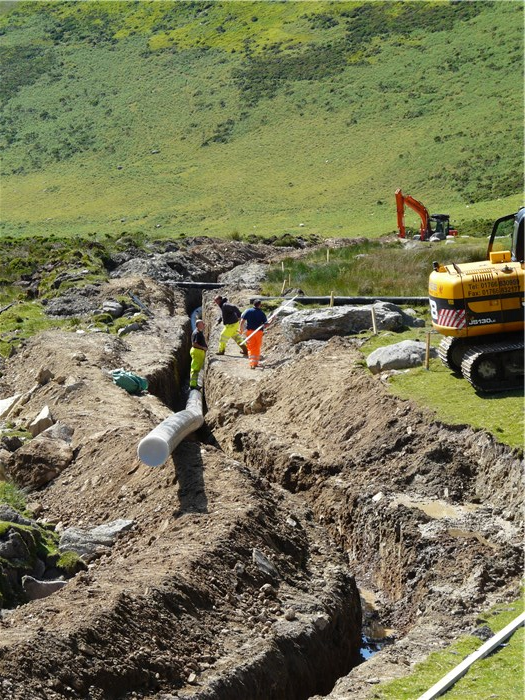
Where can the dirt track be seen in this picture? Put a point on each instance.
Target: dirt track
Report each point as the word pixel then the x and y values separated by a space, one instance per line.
pixel 308 464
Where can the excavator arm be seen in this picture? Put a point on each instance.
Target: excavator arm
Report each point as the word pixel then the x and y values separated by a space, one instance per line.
pixel 402 200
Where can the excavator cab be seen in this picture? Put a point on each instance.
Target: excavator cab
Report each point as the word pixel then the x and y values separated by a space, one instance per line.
pixel 507 234
pixel 442 226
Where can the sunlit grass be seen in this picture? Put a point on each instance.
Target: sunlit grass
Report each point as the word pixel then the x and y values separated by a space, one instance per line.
pixel 118 137
pixel 499 675
pixel 370 269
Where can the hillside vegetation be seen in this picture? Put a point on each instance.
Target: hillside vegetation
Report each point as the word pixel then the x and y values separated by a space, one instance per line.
pixel 266 117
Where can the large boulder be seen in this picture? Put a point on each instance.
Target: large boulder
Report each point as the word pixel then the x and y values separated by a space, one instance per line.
pixel 322 324
pixel 407 353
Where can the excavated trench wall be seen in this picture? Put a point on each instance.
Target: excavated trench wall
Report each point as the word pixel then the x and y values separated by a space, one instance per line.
pixel 417 561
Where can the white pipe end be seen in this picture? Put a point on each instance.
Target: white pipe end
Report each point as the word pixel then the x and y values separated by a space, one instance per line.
pixel 153 451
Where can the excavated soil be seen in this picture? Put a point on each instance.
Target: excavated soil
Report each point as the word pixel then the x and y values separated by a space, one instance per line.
pixel 310 496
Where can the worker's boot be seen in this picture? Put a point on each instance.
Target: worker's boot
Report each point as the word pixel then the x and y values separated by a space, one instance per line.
pixel 244 350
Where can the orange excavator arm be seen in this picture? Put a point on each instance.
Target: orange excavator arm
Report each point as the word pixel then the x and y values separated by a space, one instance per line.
pixel 406 200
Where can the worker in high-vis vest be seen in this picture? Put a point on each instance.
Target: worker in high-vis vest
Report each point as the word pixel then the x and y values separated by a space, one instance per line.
pixel 197 353
pixel 230 316
pixel 253 323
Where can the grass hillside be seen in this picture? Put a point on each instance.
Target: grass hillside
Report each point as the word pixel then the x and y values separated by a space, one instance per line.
pixel 230 118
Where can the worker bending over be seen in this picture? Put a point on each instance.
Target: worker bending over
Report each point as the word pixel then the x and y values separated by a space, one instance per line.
pixel 254 321
pixel 230 316
pixel 197 353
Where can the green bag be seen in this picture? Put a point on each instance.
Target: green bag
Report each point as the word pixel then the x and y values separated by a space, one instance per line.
pixel 129 381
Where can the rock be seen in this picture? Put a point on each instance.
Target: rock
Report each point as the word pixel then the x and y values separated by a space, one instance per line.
pixel 10 515
pixel 39 461
pixel 129 328
pixel 44 375
pixel 58 431
pixel 264 564
pixel 40 589
pixel 41 422
pixel 92 541
pixel 322 324
pixel 13 546
pixel 6 405
pixel 113 308
pixel 408 353
pixel 11 442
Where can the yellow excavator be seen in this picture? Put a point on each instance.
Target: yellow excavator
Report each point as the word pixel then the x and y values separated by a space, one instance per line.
pixel 478 307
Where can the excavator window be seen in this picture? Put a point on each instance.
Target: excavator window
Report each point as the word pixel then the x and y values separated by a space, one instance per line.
pixel 518 244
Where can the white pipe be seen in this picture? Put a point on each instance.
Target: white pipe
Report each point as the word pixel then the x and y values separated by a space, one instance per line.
pixel 445 683
pixel 156 447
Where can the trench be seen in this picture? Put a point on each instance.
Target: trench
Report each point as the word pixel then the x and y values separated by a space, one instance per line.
pixel 382 540
pixel 372 634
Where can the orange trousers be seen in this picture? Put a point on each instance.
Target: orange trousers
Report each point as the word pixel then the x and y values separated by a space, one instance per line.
pixel 254 347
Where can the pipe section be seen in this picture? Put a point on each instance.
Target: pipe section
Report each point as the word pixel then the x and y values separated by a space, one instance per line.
pixel 197 285
pixel 156 447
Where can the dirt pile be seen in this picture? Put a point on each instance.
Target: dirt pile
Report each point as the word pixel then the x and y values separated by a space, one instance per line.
pixel 237 578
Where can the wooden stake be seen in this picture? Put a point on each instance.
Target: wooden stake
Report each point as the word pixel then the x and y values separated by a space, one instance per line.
pixel 331 298
pixel 289 280
pixel 427 350
pixel 282 265
pixel 284 286
pixel 374 323
pixel 328 255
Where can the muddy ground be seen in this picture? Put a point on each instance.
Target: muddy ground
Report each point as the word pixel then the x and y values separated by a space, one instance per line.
pixel 311 499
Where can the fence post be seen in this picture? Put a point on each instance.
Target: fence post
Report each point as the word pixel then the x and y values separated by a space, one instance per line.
pixel 427 350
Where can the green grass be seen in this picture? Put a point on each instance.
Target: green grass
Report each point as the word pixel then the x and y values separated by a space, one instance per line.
pixel 433 388
pixel 12 496
pixel 499 675
pixel 370 268
pixel 170 118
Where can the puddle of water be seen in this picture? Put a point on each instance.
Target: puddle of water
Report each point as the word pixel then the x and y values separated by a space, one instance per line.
pixel 374 636
pixel 455 532
pixel 436 508
pixel 368 648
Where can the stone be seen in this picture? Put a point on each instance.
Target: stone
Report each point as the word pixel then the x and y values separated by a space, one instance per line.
pixel 113 308
pixel 41 422
pixel 44 375
pixel 39 461
pixel 58 431
pixel 129 328
pixel 94 540
pixel 6 405
pixel 407 353
pixel 35 589
pixel 264 564
pixel 322 324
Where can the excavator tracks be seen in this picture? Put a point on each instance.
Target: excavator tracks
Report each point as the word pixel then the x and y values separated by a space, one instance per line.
pixel 451 352
pixel 494 367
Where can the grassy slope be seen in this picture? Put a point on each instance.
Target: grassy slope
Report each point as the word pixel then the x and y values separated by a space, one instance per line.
pixel 427 110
